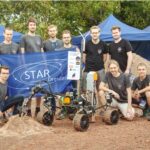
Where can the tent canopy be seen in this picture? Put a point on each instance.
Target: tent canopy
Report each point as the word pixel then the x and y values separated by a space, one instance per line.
pixel 16 35
pixel 147 29
pixel 127 32
pixel 139 39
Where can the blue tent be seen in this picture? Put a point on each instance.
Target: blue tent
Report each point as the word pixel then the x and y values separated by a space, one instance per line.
pixel 139 39
pixel 16 35
pixel 147 28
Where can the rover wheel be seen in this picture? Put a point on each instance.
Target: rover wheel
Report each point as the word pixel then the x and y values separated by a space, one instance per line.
pixel 81 122
pixel 45 118
pixel 111 116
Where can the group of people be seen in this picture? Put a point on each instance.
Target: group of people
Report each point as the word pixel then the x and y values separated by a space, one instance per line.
pixel 30 43
pixel 112 64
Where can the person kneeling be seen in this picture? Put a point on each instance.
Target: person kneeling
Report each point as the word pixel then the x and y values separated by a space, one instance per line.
pixel 7 102
pixel 141 89
pixel 118 84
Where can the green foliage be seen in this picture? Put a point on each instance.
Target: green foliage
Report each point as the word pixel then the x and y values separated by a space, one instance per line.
pixel 71 14
pixel 135 13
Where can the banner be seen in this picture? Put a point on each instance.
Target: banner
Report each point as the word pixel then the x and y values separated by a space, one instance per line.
pixel 28 69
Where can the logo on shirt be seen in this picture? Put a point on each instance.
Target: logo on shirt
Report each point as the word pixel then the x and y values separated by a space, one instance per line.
pixel 119 49
pixel 99 51
pixel 119 86
pixel 38 42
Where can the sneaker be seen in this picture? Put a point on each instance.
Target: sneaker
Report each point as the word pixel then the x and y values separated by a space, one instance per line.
pixel 61 115
pixel 71 116
pixel 29 114
pixel 3 120
pixel 37 110
pixel 146 112
pixel 148 116
pixel 138 112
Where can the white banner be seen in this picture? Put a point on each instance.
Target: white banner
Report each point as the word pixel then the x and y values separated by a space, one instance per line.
pixel 74 60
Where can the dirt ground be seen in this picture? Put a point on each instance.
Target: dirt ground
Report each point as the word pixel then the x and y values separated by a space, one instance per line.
pixel 26 133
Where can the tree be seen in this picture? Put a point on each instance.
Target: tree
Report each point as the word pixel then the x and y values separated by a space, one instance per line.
pixel 72 14
pixel 135 13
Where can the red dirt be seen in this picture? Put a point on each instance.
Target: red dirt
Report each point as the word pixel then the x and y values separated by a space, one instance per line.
pixel 61 135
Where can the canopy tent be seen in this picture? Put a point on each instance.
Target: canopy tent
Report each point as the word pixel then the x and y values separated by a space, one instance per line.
pixel 139 39
pixel 147 28
pixel 16 35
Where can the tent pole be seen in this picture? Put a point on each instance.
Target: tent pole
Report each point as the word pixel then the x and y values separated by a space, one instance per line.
pixel 79 83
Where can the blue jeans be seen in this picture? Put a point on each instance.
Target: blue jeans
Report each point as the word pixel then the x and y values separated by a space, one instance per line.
pixel 16 101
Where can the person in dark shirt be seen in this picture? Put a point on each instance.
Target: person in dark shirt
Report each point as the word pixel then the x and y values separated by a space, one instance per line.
pixel 7 46
pixel 53 42
pixel 120 50
pixel 6 103
pixel 94 56
pixel 141 88
pixel 118 84
pixel 67 45
pixel 31 43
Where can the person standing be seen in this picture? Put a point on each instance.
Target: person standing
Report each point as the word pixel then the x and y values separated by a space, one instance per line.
pixel 94 56
pixel 53 42
pixel 66 38
pixel 7 46
pixel 120 50
pixel 67 45
pixel 30 43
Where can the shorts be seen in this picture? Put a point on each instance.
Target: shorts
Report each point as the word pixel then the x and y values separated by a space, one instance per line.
pixel 123 107
pixel 101 76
